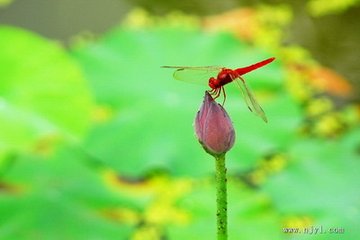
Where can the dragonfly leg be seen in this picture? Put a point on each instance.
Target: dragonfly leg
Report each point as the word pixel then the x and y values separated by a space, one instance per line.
pixel 223 90
pixel 217 93
pixel 214 92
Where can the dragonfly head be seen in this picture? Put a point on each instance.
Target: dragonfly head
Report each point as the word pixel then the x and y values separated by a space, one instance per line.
pixel 213 83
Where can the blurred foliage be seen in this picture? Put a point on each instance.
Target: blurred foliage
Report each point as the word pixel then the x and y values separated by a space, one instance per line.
pixel 5 2
pixel 323 7
pixel 97 141
pixel 38 106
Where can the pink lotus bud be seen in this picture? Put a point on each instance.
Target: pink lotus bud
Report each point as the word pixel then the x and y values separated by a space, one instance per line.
pixel 213 127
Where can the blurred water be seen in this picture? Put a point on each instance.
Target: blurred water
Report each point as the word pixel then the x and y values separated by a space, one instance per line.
pixel 61 19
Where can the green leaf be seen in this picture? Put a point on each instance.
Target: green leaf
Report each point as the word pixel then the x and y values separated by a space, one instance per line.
pixel 319 8
pixel 42 91
pixel 54 217
pixel 4 3
pixel 248 212
pixel 59 198
pixel 254 138
pixel 321 182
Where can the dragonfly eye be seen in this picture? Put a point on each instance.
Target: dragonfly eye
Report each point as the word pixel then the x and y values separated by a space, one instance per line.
pixel 213 83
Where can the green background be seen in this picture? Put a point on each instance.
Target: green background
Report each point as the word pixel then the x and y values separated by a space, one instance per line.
pixel 97 141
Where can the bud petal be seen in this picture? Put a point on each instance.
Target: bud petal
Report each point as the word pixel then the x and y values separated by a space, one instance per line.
pixel 213 127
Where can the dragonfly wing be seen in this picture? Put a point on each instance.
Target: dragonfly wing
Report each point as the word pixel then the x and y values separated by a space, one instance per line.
pixel 197 75
pixel 250 99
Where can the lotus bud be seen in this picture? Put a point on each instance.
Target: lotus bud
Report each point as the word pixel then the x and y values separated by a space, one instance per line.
pixel 214 128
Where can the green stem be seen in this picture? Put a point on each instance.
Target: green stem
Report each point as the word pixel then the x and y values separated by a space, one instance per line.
pixel 221 198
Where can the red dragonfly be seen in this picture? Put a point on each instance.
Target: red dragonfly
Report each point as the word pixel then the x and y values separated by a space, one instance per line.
pixel 223 77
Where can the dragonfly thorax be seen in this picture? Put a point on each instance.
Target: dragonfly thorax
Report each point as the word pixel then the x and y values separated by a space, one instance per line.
pixel 224 77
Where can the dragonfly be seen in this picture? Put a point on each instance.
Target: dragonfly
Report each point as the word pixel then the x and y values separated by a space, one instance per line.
pixel 217 77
